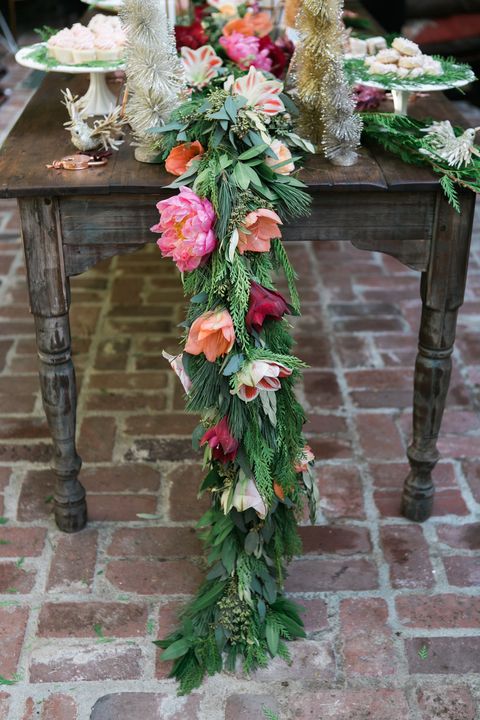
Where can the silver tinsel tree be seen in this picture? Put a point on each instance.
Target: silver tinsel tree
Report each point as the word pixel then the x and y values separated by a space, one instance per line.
pixel 155 77
pixel 326 100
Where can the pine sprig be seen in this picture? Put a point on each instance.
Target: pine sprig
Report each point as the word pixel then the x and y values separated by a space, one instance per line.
pixel 404 137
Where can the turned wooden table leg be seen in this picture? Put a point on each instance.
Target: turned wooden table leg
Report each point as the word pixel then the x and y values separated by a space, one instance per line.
pixel 442 292
pixel 49 301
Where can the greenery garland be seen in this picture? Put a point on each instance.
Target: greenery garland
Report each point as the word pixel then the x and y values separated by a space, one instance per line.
pixel 235 146
pixel 407 138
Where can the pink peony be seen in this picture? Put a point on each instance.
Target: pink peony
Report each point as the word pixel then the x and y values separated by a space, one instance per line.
pixel 259 375
pixel 245 51
pixel 186 224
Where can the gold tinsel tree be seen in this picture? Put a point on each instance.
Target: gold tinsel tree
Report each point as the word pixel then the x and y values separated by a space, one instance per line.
pixel 328 116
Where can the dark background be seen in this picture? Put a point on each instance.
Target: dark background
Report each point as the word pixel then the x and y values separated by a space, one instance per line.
pixel 32 13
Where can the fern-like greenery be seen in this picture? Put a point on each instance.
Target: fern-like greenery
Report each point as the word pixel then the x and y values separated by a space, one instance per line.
pixel 405 137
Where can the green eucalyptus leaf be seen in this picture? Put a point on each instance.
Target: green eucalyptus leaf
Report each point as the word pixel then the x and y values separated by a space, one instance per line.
pixel 217 571
pixel 197 435
pixel 251 542
pixel 217 136
pixel 241 176
pixel 273 637
pixel 269 589
pixel 220 114
pixel 253 152
pixel 231 108
pixel 176 650
pixel 201 297
pixel 229 554
pixel 234 364
pixel 210 480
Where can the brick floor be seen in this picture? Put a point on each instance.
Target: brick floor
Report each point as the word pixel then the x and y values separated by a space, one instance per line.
pixel 392 609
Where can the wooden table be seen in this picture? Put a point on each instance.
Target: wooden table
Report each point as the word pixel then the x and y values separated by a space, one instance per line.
pixel 71 220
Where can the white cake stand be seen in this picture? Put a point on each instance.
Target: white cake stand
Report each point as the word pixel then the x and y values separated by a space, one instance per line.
pixel 98 100
pixel 401 91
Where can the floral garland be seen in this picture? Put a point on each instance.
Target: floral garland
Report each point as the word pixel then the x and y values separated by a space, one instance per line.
pixel 233 147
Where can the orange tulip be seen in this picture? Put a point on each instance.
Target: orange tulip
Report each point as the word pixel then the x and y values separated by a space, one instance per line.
pixel 261 23
pixel 211 334
pixel 262 226
pixel 240 25
pixel 258 24
pixel 181 156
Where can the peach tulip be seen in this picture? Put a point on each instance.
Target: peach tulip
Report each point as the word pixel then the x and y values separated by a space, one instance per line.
pixel 181 156
pixel 283 154
pixel 262 226
pixel 211 334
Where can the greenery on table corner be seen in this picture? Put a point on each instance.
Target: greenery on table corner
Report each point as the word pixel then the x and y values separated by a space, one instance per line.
pixel 405 137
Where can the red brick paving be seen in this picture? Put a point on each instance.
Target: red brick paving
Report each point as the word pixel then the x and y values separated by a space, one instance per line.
pixel 392 609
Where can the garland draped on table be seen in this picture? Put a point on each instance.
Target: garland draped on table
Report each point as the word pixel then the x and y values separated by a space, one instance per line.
pixel 231 145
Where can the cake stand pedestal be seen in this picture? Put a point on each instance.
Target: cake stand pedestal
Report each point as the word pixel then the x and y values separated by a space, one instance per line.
pixel 99 99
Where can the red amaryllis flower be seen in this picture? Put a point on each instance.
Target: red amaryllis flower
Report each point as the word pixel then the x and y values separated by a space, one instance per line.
pixel 224 446
pixel 264 304
pixel 279 52
pixel 192 36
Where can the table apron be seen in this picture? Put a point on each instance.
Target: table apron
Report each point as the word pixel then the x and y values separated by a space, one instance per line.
pixel 397 223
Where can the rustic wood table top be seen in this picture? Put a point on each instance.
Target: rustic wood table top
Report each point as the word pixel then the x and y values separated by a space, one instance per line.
pixel 38 138
pixel 71 220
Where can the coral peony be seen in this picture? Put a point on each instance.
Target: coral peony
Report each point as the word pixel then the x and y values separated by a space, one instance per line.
pixel 259 375
pixel 181 156
pixel 200 65
pixel 260 93
pixel 262 226
pixel 186 224
pixel 304 459
pixel 211 334
pixel 224 446
pixel 245 51
pixel 264 304
pixel 176 363
pixel 283 155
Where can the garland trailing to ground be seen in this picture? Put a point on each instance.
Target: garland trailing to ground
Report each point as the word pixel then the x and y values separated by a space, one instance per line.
pixel 449 151
pixel 233 147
